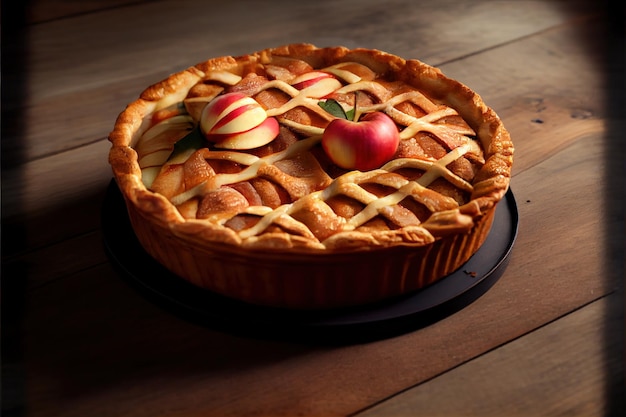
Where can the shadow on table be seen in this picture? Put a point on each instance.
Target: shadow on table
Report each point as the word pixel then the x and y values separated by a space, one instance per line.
pixel 14 54
pixel 615 69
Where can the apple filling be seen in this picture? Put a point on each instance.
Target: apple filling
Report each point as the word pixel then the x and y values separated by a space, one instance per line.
pixel 311 152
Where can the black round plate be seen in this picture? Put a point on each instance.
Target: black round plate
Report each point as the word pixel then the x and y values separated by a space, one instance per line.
pixel 337 326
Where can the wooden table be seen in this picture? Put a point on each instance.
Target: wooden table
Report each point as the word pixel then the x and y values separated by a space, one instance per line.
pixel 546 339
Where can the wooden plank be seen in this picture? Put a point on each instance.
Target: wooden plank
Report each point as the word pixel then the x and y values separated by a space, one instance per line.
pixel 45 10
pixel 94 347
pixel 61 260
pixel 90 87
pixel 548 101
pixel 55 198
pixel 141 359
pixel 138 34
pixel 562 368
pixel 57 180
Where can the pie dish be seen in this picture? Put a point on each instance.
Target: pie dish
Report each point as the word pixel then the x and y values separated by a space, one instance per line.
pixel 311 178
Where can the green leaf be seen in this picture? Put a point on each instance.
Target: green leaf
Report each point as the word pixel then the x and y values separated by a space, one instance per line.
pixel 350 114
pixel 334 108
pixel 193 140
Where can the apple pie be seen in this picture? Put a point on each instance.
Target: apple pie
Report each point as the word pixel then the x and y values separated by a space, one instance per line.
pixel 306 177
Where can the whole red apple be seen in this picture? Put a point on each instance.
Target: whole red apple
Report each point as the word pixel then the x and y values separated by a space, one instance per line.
pixel 365 144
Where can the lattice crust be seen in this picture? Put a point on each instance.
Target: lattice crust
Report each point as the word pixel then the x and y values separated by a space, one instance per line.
pixel 453 162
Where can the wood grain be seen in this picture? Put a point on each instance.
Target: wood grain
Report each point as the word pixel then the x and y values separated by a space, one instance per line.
pixel 72 82
pixel 550 99
pixel 55 198
pixel 40 11
pixel 531 376
pixel 313 380
pixel 77 340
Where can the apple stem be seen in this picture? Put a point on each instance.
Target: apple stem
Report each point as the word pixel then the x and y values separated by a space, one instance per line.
pixel 357 113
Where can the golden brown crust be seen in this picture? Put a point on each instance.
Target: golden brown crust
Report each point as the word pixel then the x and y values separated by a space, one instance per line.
pixel 306 223
pixel 490 183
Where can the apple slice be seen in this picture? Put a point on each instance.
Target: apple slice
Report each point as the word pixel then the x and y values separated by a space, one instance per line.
pixel 307 79
pixel 237 121
pixel 250 139
pixel 316 84
pixel 363 145
pixel 231 113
